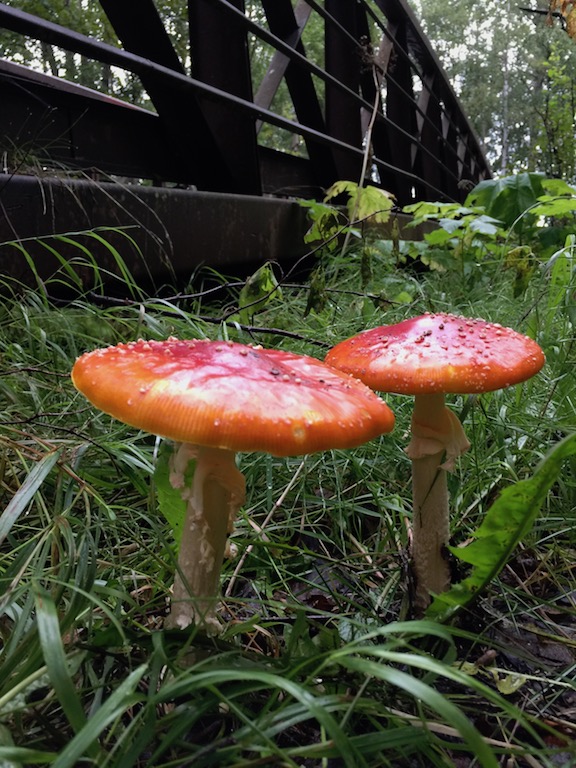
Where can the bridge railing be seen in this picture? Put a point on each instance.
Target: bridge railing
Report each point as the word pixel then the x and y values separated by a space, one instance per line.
pixel 333 90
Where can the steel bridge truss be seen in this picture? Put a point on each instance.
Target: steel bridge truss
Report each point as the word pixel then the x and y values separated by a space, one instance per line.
pixel 374 98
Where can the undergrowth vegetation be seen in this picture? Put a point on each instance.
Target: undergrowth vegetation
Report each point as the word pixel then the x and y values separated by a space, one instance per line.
pixel 320 662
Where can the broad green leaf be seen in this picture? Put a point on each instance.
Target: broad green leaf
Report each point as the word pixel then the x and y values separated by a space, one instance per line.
pixel 373 203
pixel 424 211
pixel 558 187
pixel 403 297
pixel 506 523
pixel 485 225
pixel 451 225
pixel 555 206
pixel 325 223
pixel 509 197
pixel 439 236
pixel 340 188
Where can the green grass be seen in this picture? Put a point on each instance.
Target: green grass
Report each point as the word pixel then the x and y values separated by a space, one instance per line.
pixel 320 663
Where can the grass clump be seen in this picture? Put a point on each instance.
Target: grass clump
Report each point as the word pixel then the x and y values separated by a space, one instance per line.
pixel 320 663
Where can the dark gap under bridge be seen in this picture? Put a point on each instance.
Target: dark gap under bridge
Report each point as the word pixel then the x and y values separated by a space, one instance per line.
pixel 210 173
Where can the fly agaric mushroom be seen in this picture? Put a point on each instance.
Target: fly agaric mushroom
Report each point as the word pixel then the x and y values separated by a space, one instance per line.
pixel 215 398
pixel 430 356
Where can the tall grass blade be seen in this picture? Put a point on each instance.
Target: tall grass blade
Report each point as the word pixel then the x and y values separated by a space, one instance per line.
pixel 432 698
pixel 15 757
pixel 115 705
pixel 55 658
pixel 19 502
pixel 185 686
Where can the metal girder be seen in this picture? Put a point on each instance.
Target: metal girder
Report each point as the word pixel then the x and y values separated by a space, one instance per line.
pixel 429 121
pixel 400 12
pixel 342 61
pixel 288 24
pixel 50 120
pixel 401 113
pixel 175 231
pixel 186 132
pixel 219 51
pixel 205 130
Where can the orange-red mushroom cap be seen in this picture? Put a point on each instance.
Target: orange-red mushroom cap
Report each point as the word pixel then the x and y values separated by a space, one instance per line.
pixel 437 353
pixel 230 395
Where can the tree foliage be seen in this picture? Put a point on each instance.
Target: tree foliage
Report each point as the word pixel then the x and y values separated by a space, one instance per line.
pixel 496 54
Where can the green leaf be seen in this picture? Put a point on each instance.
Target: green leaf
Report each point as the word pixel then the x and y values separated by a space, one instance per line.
pixel 170 501
pixel 555 206
pixel 485 225
pixel 424 211
pixel 258 291
pixel 506 523
pixel 339 188
pixel 373 203
pixel 438 237
pixel 365 202
pixel 558 187
pixel 506 199
pixel 325 222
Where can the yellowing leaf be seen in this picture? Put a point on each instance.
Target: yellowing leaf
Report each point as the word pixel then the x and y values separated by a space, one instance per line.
pixel 508 684
pixel 364 202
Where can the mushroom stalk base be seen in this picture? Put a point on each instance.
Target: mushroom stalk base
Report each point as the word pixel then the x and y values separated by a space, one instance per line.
pixel 430 529
pixel 437 441
pixel 217 492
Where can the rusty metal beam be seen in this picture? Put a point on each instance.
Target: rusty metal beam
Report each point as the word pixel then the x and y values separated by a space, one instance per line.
pixel 288 24
pixel 410 138
pixel 342 62
pixel 176 231
pixel 187 134
pixel 52 121
pixel 219 52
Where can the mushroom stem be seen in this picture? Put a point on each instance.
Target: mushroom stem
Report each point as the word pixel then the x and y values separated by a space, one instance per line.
pixel 216 494
pixel 430 529
pixel 437 435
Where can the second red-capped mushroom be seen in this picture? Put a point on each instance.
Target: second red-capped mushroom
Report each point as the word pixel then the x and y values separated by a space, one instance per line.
pixel 430 356
pixel 216 398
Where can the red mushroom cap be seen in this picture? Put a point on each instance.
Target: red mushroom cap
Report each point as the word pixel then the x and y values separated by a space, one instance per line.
pixel 229 395
pixel 438 353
